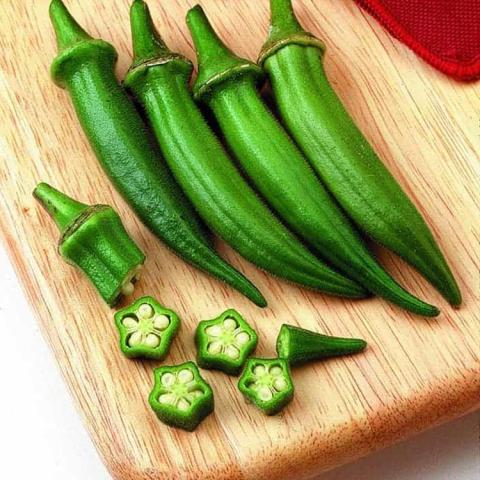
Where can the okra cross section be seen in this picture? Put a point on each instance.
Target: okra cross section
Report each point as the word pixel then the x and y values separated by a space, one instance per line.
pixel 146 329
pixel 225 342
pixel 267 383
pixel 180 396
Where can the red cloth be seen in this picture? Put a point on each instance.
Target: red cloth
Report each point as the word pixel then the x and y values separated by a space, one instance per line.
pixel 445 33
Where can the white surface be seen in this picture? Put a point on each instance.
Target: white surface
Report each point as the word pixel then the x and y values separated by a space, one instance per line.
pixel 43 438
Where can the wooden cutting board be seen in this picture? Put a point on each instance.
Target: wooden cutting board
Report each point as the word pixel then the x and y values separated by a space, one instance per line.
pixel 415 373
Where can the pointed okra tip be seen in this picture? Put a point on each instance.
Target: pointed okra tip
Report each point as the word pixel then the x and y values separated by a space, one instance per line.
pixel 285 29
pixel 216 62
pixel 147 42
pixel 63 209
pixel 67 30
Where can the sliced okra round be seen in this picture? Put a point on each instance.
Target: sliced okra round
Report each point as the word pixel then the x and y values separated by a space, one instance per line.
pixel 225 342
pixel 146 329
pixel 180 396
pixel 267 383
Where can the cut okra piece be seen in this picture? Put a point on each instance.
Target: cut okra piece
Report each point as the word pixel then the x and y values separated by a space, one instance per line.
pixel 225 342
pixel 146 329
pixel 180 396
pixel 297 345
pixel 267 383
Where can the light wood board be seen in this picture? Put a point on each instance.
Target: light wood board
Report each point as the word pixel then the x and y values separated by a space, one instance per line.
pixel 416 372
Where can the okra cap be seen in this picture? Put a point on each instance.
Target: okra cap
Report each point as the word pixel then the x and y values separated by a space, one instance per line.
pixel 149 50
pixel 216 63
pixel 285 30
pixel 74 44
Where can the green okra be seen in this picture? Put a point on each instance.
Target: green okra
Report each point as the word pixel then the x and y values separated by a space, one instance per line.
pixel 146 329
pixel 159 80
pixel 224 343
pixel 267 383
pixel 340 154
pixel 94 239
pixel 226 83
pixel 180 396
pixel 297 345
pixel 122 143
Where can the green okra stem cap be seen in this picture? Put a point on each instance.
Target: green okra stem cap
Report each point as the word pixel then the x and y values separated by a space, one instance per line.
pixel 63 209
pixel 216 62
pixel 67 30
pixel 147 42
pixel 149 50
pixel 285 29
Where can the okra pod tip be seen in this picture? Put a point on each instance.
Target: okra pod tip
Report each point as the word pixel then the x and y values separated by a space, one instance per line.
pixel 285 30
pixel 216 63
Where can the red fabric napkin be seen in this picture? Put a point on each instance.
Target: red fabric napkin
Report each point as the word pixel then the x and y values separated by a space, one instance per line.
pixel 445 33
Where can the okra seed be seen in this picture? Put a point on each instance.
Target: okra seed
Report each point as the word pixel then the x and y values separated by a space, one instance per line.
pixel 213 331
pixel 168 379
pixel 135 339
pixel 196 393
pixel 185 376
pixel 215 347
pixel 276 371
pixel 183 405
pixel 258 370
pixel 167 398
pixel 145 310
pixel 161 322
pixel 229 324
pixel 264 394
pixel 242 338
pixel 128 288
pixel 232 352
pixel 280 384
pixel 152 340
pixel 130 322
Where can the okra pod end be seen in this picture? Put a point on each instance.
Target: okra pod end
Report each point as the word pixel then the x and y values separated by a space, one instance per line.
pixel 94 239
pixel 216 62
pixel 285 29
pixel 62 209
pixel 298 346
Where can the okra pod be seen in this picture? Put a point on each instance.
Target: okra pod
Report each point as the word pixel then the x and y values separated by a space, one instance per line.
pixel 226 83
pixel 85 67
pixel 340 154
pixel 159 80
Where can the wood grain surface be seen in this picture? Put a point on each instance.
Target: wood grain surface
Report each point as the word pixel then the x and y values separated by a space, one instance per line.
pixel 415 373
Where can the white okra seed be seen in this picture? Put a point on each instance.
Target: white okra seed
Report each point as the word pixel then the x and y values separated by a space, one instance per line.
pixel 213 331
pixel 215 347
pixel 242 338
pixel 229 324
pixel 152 340
pixel 127 288
pixel 130 322
pixel 196 393
pixel 183 405
pixel 135 339
pixel 232 352
pixel 145 310
pixel 161 322
pixel 168 379
pixel 279 384
pixel 259 370
pixel 167 398
pixel 275 370
pixel 264 393
pixel 185 376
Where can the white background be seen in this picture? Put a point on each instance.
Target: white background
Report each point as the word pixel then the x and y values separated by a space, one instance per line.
pixel 43 438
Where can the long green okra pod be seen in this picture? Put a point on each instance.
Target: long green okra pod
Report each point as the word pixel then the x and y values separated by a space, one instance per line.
pixel 85 67
pixel 159 80
pixel 340 154
pixel 278 169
